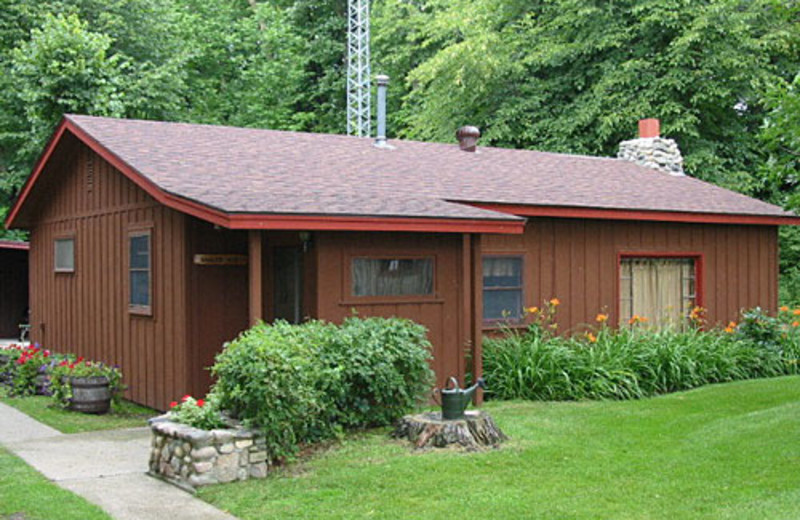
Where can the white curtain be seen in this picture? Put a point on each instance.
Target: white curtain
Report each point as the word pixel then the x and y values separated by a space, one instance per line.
pixel 658 290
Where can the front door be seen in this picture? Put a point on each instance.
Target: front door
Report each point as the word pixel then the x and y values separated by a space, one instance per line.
pixel 287 287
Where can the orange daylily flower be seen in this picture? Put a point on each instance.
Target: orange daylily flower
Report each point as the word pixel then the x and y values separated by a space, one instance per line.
pixel 532 310
pixel 784 308
pixel 591 337
pixel 601 318
pixel 555 302
pixel 796 312
pixel 730 330
pixel 796 324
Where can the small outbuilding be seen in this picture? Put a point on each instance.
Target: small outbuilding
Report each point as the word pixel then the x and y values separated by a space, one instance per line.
pixel 13 287
pixel 153 243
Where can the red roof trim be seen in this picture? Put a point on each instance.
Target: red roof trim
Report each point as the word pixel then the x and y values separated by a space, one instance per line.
pixel 12 244
pixel 622 214
pixel 255 220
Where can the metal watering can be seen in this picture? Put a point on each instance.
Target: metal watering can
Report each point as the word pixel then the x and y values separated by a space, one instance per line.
pixel 455 399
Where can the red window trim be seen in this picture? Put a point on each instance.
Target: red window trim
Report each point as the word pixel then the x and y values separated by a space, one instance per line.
pixel 699 272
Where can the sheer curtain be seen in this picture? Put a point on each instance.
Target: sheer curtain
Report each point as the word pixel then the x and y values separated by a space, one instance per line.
pixel 392 277
pixel 658 290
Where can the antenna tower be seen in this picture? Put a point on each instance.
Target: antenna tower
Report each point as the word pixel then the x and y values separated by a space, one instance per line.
pixel 358 73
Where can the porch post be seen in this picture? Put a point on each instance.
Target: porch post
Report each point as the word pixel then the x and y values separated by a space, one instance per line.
pixel 255 268
pixel 477 314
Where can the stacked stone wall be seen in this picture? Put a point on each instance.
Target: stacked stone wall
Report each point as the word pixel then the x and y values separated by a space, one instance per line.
pixel 191 458
pixel 653 152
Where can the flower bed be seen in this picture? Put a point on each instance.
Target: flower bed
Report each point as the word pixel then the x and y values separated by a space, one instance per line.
pixel 190 457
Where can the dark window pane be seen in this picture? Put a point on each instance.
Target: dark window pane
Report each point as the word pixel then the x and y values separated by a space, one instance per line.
pixel 502 271
pixel 140 288
pixel 505 304
pixel 392 277
pixel 140 252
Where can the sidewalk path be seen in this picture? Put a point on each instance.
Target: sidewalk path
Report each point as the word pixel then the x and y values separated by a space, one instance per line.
pixel 107 468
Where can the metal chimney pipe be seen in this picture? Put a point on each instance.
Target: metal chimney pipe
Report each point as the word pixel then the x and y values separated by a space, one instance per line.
pixel 383 83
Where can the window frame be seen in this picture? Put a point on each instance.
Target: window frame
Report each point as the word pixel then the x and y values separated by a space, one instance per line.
pixel 347 291
pixel 133 232
pixel 61 238
pixel 699 281
pixel 497 322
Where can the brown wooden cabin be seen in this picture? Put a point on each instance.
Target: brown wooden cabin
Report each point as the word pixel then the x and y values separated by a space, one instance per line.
pixel 154 243
pixel 13 287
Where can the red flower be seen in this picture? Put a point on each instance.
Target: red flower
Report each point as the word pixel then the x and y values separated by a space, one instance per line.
pixel 71 366
pixel 173 404
pixel 185 398
pixel 200 403
pixel 63 363
pixel 80 359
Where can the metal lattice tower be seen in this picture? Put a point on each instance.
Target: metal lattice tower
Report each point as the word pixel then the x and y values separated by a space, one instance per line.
pixel 358 73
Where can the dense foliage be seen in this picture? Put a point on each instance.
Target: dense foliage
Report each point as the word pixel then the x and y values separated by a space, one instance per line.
pixel 558 75
pixel 635 362
pixel 303 383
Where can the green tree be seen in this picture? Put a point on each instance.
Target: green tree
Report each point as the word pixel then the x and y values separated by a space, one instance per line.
pixel 63 68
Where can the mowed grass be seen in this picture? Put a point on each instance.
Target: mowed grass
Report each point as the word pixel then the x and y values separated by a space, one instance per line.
pixel 727 451
pixel 26 494
pixel 43 409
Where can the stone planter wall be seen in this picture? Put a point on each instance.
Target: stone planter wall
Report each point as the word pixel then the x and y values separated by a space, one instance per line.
pixel 191 458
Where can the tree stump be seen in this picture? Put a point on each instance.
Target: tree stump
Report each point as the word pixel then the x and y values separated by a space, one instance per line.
pixel 476 431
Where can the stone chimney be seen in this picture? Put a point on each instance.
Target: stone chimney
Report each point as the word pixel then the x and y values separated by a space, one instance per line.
pixel 652 150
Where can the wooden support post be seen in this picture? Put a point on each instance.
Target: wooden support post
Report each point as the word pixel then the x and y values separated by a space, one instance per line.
pixel 256 272
pixel 477 314
pixel 465 306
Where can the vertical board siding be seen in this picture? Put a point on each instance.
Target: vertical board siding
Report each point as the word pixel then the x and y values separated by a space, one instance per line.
pixel 576 261
pixel 86 312
pixel 439 314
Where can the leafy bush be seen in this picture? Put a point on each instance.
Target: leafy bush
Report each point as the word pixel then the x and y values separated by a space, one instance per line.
pixel 377 369
pixel 637 362
pixel 303 383
pixel 269 378
pixel 28 373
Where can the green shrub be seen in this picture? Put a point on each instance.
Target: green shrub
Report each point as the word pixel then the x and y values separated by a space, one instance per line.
pixel 637 362
pixel 269 378
pixel 377 370
pixel 304 383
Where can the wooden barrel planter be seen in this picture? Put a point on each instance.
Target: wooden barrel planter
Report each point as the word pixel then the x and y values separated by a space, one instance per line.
pixel 90 395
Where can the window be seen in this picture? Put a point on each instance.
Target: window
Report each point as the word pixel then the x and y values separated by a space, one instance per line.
pixel 140 273
pixel 65 255
pixel 392 276
pixel 663 290
pixel 502 288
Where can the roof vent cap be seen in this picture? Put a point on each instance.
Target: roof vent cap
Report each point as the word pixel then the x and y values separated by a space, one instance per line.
pixel 468 138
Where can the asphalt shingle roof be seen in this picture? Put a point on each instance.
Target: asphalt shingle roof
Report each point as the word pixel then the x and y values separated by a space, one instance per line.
pixel 241 170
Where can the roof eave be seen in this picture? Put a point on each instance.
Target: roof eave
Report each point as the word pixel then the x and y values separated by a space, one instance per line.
pixel 525 210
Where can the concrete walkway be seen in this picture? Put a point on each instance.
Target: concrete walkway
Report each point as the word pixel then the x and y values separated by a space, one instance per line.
pixel 107 468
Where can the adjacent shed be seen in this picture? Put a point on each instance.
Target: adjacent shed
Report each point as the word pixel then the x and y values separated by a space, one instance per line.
pixel 13 287
pixel 154 243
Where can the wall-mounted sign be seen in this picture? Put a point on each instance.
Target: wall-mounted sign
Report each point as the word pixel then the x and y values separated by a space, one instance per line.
pixel 220 259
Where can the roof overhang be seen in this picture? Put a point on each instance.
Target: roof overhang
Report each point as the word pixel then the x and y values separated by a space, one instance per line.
pixel 649 215
pixel 328 222
pixel 12 244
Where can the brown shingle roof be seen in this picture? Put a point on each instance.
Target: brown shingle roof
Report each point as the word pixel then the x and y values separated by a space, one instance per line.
pixel 240 170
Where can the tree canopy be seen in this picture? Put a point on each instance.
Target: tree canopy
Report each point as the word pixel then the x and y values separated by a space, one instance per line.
pixel 559 75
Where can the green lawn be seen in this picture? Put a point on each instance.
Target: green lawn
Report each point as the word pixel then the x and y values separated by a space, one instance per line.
pixel 41 408
pixel 27 494
pixel 723 452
